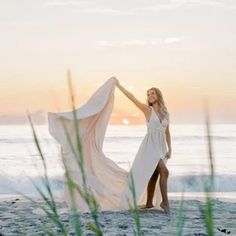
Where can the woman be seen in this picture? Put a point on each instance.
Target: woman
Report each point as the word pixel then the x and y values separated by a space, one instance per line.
pixel 109 182
pixel 153 146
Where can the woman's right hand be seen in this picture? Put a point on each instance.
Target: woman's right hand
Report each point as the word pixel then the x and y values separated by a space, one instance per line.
pixel 116 80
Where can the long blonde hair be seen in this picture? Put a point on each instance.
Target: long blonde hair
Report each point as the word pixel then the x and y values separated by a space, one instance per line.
pixel 163 109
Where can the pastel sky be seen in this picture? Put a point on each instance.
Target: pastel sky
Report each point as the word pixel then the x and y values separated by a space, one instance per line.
pixel 184 47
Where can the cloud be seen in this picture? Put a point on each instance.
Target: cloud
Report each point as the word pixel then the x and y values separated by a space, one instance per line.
pixel 123 43
pixel 171 40
pixel 179 3
pixel 98 8
pixel 109 11
pixel 219 3
pixel 64 3
pixel 138 42
pixel 93 9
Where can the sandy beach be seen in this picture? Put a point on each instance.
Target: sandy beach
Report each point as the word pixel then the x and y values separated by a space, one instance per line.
pixel 20 217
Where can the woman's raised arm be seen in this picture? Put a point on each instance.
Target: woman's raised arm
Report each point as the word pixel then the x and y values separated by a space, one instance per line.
pixel 142 106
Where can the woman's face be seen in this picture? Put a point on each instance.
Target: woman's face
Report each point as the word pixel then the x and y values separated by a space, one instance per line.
pixel 152 97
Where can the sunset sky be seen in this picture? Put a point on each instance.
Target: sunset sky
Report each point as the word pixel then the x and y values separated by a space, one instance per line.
pixel 185 48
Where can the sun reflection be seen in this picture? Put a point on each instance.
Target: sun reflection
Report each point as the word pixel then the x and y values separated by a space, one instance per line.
pixel 125 121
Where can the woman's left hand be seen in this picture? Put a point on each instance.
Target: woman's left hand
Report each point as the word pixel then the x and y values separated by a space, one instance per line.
pixel 168 155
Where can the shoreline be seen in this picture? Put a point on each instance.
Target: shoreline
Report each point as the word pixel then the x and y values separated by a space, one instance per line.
pixel 174 196
pixel 200 196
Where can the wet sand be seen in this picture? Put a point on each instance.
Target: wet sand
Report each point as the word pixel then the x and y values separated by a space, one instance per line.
pixel 21 217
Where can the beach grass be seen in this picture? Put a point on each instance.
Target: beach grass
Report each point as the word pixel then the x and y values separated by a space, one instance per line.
pixel 181 221
pixel 85 193
pixel 209 183
pixel 50 207
pixel 134 207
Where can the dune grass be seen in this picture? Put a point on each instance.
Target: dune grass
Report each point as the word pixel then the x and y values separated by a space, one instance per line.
pixel 180 222
pixel 209 184
pixel 50 207
pixel 134 208
pixel 85 193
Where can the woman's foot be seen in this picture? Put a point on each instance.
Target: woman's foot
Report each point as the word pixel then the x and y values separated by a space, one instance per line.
pixel 165 207
pixel 146 206
pixel 149 206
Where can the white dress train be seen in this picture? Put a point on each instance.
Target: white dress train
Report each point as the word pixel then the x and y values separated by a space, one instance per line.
pixel 105 178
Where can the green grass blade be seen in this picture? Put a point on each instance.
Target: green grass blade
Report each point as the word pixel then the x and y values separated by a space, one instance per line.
pixel 134 208
pixel 46 180
pixel 87 194
pixel 209 184
pixel 75 214
pixel 181 221
pixel 50 202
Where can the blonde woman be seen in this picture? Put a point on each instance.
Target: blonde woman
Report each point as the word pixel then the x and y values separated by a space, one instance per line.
pixel 149 165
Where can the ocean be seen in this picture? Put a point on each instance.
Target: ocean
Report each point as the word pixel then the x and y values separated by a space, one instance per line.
pixel 20 164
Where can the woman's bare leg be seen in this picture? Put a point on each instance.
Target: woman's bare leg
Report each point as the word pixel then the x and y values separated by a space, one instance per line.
pixel 164 173
pixel 151 188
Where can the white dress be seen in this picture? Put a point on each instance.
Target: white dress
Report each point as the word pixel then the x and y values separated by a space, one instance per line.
pixel 107 181
pixel 151 151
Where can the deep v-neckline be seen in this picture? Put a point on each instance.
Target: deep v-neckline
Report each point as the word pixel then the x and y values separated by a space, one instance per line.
pixel 156 115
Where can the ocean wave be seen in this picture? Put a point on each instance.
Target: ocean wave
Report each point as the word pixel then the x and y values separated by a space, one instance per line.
pixel 175 138
pixel 195 183
pixel 26 140
pixel 188 183
pixel 25 184
pixel 122 138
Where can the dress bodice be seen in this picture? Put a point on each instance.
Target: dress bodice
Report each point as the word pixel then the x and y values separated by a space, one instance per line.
pixel 155 124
